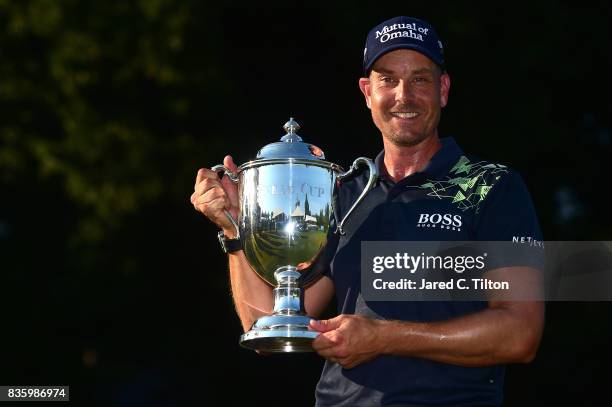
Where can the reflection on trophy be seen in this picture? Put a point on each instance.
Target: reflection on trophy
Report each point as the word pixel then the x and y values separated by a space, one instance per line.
pixel 286 207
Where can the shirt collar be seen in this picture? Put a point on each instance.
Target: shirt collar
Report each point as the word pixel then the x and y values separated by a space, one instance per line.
pixel 439 165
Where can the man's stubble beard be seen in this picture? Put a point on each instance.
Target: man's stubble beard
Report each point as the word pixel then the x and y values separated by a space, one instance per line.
pixel 409 140
pixel 405 141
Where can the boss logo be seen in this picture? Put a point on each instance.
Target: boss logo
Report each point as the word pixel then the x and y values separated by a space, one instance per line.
pixel 438 220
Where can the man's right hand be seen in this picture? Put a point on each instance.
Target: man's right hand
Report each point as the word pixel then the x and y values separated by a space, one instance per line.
pixel 212 196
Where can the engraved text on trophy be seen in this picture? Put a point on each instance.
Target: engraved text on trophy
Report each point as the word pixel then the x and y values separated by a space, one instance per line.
pixel 286 215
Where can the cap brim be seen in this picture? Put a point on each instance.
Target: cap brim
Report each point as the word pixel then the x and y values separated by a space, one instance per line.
pixel 413 47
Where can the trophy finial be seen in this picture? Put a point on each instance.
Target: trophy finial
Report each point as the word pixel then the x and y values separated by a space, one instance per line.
pixel 291 127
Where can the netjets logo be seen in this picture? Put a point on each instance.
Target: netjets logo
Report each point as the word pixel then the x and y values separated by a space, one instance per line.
pixel 438 220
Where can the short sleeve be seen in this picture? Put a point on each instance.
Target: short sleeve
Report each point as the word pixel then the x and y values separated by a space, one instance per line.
pixel 507 214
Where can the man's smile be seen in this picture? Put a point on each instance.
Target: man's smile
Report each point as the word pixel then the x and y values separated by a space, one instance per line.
pixel 404 115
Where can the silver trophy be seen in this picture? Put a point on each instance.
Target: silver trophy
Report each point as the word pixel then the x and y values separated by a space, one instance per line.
pixel 286 206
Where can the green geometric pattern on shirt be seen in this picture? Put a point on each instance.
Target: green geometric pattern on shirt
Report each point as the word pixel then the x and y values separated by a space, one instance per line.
pixel 467 184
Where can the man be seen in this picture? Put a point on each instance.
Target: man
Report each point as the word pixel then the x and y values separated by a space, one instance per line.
pixel 406 353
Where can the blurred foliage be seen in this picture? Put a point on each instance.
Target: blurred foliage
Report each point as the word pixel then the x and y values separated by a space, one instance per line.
pixel 93 95
pixel 108 99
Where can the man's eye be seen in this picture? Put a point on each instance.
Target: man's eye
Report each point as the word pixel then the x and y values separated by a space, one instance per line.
pixel 420 79
pixel 386 79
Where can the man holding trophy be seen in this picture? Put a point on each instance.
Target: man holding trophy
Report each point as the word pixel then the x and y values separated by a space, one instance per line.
pixel 282 222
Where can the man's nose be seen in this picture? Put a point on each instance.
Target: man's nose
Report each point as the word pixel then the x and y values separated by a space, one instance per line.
pixel 404 91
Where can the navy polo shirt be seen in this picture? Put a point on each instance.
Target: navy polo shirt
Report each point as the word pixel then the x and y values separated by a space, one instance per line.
pixel 483 201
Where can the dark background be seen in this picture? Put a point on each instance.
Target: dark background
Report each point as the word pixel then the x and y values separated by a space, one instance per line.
pixel 114 285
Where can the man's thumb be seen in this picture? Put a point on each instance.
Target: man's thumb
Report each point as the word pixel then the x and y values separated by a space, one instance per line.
pixel 228 161
pixel 325 325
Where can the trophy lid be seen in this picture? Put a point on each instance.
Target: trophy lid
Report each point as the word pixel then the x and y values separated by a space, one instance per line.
pixel 291 146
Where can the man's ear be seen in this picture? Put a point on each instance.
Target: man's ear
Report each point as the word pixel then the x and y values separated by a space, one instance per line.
pixel 365 86
pixel 445 83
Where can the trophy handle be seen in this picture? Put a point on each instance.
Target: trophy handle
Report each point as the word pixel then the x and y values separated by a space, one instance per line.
pixel 234 177
pixel 371 180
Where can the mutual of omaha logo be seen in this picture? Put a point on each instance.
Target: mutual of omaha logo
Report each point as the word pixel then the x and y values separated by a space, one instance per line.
pixel 441 221
pixel 390 32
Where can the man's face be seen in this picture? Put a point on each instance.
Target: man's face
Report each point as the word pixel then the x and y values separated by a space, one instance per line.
pixel 405 92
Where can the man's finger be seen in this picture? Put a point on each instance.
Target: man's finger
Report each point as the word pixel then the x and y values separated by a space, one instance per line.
pixel 325 325
pixel 228 161
pixel 213 210
pixel 347 365
pixel 326 351
pixel 328 354
pixel 204 174
pixel 199 177
pixel 230 186
pixel 206 185
pixel 323 342
pixel 213 198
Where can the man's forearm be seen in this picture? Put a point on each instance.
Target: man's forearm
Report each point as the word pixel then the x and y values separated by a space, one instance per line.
pixel 492 336
pixel 252 295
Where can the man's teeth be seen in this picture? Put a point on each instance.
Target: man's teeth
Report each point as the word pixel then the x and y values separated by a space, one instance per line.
pixel 405 115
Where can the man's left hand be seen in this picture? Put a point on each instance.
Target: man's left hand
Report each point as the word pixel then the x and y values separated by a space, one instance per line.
pixel 348 340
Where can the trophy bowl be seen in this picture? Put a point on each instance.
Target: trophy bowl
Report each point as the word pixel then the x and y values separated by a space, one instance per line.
pixel 286 209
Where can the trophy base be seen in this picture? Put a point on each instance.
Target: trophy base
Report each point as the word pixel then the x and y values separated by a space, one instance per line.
pixel 280 334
